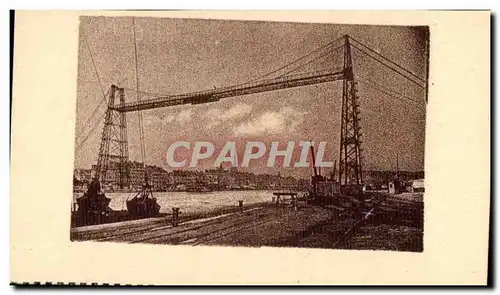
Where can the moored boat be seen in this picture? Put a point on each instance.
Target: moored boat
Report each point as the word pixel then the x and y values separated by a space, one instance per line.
pixel 93 206
pixel 143 204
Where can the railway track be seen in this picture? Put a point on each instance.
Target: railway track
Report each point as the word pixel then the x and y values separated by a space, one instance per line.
pixel 220 235
pixel 129 232
pixel 124 233
pixel 163 237
pixel 108 234
pixel 213 229
pixel 188 235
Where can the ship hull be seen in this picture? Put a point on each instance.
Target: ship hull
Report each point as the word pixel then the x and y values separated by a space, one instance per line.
pixel 93 209
pixel 143 208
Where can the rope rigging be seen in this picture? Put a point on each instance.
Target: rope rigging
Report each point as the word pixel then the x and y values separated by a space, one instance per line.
pixel 141 129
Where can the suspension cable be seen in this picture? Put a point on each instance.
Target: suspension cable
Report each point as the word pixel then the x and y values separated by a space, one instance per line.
pixel 315 59
pixel 387 59
pixel 91 131
pixel 104 94
pixel 148 93
pixel 293 62
pixel 389 67
pixel 386 92
pixel 268 74
pixel 386 88
pixel 103 100
pixel 94 64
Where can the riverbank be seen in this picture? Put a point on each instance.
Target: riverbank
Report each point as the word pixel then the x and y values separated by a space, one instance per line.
pixel 104 230
pixel 393 223
pixel 193 202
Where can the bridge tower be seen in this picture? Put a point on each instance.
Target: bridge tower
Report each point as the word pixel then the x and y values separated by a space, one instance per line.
pixel 113 151
pixel 350 167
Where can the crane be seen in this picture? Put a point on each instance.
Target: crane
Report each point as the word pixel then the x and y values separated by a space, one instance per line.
pixel 317 177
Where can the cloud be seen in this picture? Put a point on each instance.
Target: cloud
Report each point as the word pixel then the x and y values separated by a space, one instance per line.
pixel 216 116
pixel 286 119
pixel 182 118
pixel 237 111
pixel 168 119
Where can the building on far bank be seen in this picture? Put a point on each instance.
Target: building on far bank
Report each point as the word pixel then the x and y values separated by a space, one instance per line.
pixel 183 178
pixel 415 186
pixel 83 175
pixel 216 179
pixel 136 173
pixel 158 178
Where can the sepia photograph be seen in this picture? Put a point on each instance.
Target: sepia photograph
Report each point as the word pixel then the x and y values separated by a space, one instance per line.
pixel 339 148
pixel 250 133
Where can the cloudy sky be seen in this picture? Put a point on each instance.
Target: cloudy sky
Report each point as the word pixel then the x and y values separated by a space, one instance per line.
pixel 180 56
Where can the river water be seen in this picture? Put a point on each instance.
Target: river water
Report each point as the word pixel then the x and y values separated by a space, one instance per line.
pixel 193 202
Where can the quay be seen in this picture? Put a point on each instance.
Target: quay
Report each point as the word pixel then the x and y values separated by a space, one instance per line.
pixel 279 225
